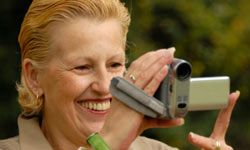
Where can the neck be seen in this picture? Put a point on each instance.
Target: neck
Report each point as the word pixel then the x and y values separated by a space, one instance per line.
pixel 58 140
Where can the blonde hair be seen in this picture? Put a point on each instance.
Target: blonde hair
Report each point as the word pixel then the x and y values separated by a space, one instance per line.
pixel 34 37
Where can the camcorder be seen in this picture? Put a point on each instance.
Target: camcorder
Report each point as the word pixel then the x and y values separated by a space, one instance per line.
pixel 177 94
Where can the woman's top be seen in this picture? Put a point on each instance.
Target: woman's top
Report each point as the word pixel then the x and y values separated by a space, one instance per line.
pixel 31 137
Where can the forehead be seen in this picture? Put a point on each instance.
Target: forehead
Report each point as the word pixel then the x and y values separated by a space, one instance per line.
pixel 85 36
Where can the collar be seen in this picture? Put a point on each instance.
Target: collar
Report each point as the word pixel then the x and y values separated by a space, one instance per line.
pixel 31 136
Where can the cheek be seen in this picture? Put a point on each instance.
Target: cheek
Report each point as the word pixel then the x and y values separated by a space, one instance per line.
pixel 65 88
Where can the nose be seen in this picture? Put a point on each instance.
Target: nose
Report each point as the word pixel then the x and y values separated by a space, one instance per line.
pixel 101 82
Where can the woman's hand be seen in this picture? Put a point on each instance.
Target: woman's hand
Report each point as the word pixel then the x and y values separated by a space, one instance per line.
pixel 124 124
pixel 216 141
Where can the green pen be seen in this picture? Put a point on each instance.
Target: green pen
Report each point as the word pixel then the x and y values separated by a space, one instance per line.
pixel 97 142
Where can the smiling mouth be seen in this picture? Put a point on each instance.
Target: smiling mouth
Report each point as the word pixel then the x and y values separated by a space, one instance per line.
pixel 97 106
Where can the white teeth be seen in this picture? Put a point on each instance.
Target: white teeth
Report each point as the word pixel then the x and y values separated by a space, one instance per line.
pixel 99 107
pixel 96 106
pixel 90 105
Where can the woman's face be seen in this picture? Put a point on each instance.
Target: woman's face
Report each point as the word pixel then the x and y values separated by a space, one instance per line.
pixel 86 54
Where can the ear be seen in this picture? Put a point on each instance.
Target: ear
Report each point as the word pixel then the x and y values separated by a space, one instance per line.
pixel 30 73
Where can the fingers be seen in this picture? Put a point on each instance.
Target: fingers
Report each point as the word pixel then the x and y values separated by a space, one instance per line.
pixel 156 81
pixel 223 119
pixel 204 142
pixel 220 128
pixel 146 67
pixel 200 141
pixel 162 123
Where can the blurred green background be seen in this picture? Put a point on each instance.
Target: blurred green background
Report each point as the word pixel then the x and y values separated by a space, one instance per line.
pixel 214 35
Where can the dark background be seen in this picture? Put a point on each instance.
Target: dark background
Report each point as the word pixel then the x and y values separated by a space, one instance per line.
pixel 214 35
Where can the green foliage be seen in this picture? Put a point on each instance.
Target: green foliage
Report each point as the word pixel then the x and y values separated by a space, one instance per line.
pixel 212 35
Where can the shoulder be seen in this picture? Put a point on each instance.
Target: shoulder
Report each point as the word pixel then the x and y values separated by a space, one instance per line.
pixel 144 143
pixel 9 144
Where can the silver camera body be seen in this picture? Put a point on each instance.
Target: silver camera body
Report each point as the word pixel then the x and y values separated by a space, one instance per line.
pixel 180 93
pixel 177 94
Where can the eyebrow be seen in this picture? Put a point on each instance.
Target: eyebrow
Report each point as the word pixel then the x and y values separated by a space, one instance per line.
pixel 120 55
pixel 88 58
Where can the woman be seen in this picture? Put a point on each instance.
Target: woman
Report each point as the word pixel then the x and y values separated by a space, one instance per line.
pixel 70 50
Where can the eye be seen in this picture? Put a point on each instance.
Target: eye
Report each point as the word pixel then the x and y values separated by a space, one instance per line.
pixel 84 67
pixel 116 65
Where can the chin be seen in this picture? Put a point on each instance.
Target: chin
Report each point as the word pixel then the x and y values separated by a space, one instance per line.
pixel 95 127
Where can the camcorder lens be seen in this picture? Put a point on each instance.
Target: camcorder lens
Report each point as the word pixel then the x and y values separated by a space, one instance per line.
pixel 183 71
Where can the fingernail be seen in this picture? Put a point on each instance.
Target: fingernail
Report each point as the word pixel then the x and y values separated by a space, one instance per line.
pixel 179 121
pixel 171 50
pixel 237 92
pixel 182 121
pixel 191 134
